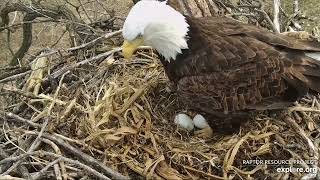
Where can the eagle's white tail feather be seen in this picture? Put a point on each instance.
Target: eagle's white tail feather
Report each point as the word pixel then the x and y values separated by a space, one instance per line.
pixel 315 55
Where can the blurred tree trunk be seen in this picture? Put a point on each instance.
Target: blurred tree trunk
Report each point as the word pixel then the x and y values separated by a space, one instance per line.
pixel 196 8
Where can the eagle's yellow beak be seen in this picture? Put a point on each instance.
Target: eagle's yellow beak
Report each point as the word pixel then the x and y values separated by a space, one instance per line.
pixel 129 47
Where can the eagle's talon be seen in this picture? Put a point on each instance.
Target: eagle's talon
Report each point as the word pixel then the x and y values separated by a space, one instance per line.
pixel 201 123
pixel 204 133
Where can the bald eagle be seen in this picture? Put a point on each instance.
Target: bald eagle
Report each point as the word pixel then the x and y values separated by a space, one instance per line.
pixel 220 66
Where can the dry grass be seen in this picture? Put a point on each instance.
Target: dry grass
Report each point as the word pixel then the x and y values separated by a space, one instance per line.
pixel 124 115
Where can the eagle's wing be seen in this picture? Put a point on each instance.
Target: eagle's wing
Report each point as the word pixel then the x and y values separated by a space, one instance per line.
pixel 232 66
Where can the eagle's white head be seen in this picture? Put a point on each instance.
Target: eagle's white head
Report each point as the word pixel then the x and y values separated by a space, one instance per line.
pixel 156 24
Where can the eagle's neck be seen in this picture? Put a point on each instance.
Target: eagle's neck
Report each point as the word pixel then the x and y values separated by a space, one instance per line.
pixel 171 67
pixel 168 38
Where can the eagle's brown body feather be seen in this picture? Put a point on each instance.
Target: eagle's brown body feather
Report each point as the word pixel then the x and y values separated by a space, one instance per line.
pixel 231 67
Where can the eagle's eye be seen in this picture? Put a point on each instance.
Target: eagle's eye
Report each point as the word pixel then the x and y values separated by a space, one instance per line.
pixel 139 36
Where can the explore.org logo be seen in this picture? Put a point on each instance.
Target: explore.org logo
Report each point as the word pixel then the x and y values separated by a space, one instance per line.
pixel 312 170
pixel 286 166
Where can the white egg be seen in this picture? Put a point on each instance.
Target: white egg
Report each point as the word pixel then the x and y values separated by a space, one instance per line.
pixel 184 121
pixel 200 122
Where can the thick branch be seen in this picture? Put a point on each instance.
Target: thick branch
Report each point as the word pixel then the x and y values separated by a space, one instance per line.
pixel 33 11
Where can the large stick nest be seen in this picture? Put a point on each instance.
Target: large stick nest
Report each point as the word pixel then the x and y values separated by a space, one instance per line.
pixel 86 112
